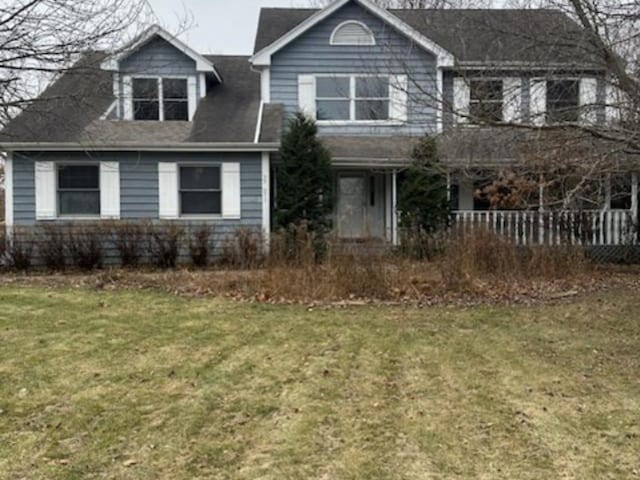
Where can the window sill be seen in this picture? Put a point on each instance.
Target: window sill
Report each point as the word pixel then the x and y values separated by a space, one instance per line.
pixel 78 218
pixel 357 123
pixel 201 217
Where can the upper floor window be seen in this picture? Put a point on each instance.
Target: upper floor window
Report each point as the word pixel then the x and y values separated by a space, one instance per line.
pixel 160 99
pixel 563 100
pixel 352 33
pixel 486 100
pixel 78 190
pixel 353 98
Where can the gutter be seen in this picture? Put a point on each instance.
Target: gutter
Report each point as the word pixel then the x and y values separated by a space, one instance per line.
pixel 138 147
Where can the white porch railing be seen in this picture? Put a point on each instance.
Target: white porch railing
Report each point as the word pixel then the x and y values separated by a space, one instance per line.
pixel 552 228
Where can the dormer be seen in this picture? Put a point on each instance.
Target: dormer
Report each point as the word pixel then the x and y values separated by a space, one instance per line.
pixel 158 78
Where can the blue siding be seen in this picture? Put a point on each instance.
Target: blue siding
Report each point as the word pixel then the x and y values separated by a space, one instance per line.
pixel 158 57
pixel 312 53
pixel 139 183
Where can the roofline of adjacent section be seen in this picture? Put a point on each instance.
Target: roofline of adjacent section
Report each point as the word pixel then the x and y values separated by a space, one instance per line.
pixel 263 57
pixel 511 65
pixel 138 147
pixel 203 64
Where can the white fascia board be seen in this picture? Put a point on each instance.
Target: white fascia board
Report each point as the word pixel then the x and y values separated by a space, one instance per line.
pixel 138 147
pixel 202 63
pixel 263 57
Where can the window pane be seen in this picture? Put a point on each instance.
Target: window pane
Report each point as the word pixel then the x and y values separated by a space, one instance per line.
pixel 200 178
pixel 146 110
pixel 176 110
pixel 487 111
pixel 145 88
pixel 621 192
pixel 372 87
pixel 563 99
pixel 372 110
pixel 175 88
pixel 79 203
pixel 201 203
pixel 332 87
pixel 332 110
pixel 486 90
pixel 79 177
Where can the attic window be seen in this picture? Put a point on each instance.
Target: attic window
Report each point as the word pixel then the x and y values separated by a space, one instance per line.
pixel 352 33
pixel 160 99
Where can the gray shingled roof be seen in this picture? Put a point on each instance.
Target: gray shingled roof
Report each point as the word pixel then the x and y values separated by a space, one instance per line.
pixel 470 35
pixel 70 111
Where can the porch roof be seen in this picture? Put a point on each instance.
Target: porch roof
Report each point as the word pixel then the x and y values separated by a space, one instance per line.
pixel 497 147
pixel 370 151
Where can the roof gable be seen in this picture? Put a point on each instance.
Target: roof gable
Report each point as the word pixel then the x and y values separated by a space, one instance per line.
pixel 202 63
pixel 263 57
pixel 473 36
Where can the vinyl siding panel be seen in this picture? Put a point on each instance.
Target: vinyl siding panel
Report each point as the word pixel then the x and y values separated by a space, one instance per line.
pixel 394 54
pixel 139 186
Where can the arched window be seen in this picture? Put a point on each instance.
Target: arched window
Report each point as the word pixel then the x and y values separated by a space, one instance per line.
pixel 352 33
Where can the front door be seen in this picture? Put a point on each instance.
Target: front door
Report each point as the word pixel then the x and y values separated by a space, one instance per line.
pixel 351 206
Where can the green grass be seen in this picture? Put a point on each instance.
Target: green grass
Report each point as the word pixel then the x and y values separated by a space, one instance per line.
pixel 150 386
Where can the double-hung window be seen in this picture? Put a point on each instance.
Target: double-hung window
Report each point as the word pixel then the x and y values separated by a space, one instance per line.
pixel 78 190
pixel 486 100
pixel 160 99
pixel 563 100
pixel 353 98
pixel 200 190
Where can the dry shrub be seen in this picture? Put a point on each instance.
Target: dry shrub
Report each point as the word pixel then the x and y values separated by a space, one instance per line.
pixel 242 249
pixel 480 255
pixel 362 271
pixel 165 242
pixel 129 240
pixel 3 243
pixel 421 245
pixel 86 243
pixel 200 244
pixel 19 248
pixel 293 246
pixel 52 247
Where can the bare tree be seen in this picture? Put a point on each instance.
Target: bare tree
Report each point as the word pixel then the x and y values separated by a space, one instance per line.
pixel 42 39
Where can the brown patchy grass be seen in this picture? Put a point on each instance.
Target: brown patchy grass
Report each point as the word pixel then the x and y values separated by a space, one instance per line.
pixel 144 385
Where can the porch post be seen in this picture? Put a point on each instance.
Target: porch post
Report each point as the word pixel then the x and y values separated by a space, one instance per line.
pixel 634 198
pixel 394 206
pixel 541 212
pixel 388 208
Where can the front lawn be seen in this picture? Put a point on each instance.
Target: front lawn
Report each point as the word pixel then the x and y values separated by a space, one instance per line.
pixel 140 385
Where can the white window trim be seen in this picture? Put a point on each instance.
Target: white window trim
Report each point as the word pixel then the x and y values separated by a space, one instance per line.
pixel 159 78
pixel 204 216
pixel 372 38
pixel 352 101
pixel 88 218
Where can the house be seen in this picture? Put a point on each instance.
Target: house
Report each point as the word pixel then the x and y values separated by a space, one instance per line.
pixel 160 131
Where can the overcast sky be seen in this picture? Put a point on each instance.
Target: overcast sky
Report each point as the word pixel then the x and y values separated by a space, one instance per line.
pixel 218 26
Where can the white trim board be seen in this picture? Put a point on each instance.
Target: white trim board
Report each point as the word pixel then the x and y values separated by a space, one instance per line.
pixel 263 57
pixel 8 191
pixel 202 63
